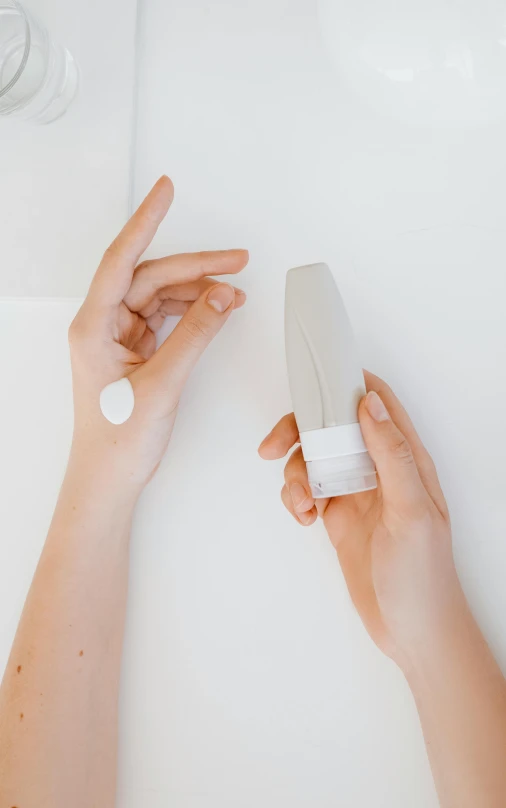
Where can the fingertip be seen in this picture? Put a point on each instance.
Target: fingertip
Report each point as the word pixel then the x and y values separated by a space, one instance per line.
pixel 166 184
pixel 268 450
pixel 240 257
pixel 370 379
pixel 240 298
pixel 302 499
pixel 221 297
pixel 280 439
pixel 260 451
pixel 159 200
pixel 307 519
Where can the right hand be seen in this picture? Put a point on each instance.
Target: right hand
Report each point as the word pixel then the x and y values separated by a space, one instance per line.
pixel 394 543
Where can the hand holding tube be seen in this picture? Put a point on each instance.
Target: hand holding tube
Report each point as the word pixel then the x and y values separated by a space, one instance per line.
pixel 394 546
pixel 393 543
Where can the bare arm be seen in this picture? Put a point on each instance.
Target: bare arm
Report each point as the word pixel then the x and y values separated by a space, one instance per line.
pixel 460 694
pixel 394 546
pixel 58 700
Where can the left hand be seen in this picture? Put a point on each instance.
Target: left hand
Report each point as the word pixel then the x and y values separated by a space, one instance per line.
pixel 113 335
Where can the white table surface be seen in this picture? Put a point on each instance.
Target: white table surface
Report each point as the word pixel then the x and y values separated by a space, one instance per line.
pixel 248 679
pixel 64 189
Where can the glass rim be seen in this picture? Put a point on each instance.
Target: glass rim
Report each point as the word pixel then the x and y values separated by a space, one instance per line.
pixel 28 36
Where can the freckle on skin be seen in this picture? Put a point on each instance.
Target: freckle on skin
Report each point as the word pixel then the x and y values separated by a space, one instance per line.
pixel 21 716
pixel 81 653
pixel 19 669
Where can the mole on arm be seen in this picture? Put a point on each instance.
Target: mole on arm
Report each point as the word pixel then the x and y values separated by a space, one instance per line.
pixel 21 716
pixel 81 653
pixel 19 669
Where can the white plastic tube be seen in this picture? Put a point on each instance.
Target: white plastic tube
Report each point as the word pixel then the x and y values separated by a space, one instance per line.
pixel 326 383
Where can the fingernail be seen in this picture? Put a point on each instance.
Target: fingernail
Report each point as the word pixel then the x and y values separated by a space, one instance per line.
pixel 239 291
pixel 221 297
pixel 306 518
pixel 299 495
pixel 376 408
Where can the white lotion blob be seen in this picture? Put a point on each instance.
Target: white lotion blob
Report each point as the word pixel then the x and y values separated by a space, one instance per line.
pixel 117 401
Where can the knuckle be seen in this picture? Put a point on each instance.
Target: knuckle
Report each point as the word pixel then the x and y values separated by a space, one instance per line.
pixel 288 473
pixel 113 252
pixel 77 330
pixel 428 464
pixel 401 450
pixel 196 328
pixel 431 465
pixel 142 266
pixel 81 329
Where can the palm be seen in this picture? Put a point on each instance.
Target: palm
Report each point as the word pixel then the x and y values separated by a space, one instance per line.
pixel 357 531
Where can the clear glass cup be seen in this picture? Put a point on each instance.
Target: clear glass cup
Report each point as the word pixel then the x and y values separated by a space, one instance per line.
pixel 38 77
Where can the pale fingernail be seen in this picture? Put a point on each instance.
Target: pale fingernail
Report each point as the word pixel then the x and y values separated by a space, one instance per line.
pixel 376 408
pixel 221 297
pixel 239 291
pixel 307 518
pixel 299 496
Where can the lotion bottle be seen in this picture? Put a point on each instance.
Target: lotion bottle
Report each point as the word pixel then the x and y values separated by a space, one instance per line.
pixel 326 383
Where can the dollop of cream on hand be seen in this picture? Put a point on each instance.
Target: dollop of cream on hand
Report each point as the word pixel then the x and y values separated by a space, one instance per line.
pixel 117 401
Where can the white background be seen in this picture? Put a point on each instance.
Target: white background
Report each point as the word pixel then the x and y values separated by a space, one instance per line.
pixel 248 679
pixel 64 188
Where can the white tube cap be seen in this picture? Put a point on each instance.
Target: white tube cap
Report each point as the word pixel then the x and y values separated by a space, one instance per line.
pixel 338 476
pixel 337 461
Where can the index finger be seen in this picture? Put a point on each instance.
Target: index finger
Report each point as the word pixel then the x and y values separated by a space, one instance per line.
pixel 281 439
pixel 151 277
pixel 114 275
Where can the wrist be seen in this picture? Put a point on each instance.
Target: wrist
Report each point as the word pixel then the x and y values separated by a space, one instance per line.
pixel 95 497
pixel 105 470
pixel 95 504
pixel 435 651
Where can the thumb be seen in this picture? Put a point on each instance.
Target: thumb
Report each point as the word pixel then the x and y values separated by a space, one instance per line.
pixel 170 366
pixel 400 481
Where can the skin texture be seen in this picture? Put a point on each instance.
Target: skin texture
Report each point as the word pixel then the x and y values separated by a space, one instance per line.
pixel 58 700
pixel 394 547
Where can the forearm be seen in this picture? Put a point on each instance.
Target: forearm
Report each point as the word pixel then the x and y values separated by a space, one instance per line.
pixel 460 694
pixel 58 701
